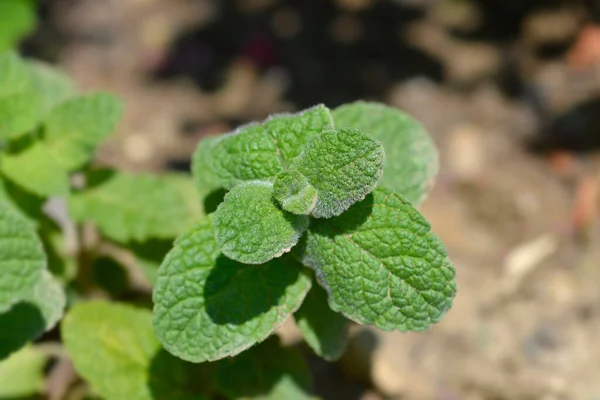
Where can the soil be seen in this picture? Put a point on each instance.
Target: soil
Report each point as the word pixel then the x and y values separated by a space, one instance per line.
pixel 491 80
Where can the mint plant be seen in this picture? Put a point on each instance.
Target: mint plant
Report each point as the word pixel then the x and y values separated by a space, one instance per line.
pixel 309 216
pixel 315 190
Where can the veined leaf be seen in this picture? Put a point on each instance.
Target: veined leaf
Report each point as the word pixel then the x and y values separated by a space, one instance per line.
pixel 20 113
pixel 50 83
pixel 74 129
pixel 207 307
pixel 14 75
pixel 381 265
pixel 260 152
pixel 412 159
pixel 250 228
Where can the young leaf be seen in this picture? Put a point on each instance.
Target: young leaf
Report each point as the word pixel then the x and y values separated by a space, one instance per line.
pixel 19 114
pixel 50 83
pixel 250 228
pixel 114 348
pixel 22 374
pixel 128 207
pixel 294 193
pixel 36 171
pixel 412 159
pixel 343 166
pixel 18 19
pixel 22 260
pixel 205 179
pixel 14 75
pixel 260 152
pixel 323 329
pixel 33 315
pixel 381 265
pixel 266 372
pixel 208 307
pixel 74 129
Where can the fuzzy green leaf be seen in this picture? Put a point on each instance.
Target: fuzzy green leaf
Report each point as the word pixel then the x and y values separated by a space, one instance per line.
pixel 205 179
pixel 381 265
pixel 14 75
pixel 17 19
pixel 22 258
pixel 294 192
pixel 34 314
pixel 75 128
pixel 114 348
pixel 22 374
pixel 412 159
pixel 343 166
pixel 19 114
pixel 266 372
pixel 50 83
pixel 128 207
pixel 250 228
pixel 208 307
pixel 323 329
pixel 260 152
pixel 36 170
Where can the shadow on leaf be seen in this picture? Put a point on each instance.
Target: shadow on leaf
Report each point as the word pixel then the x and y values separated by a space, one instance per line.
pixel 235 293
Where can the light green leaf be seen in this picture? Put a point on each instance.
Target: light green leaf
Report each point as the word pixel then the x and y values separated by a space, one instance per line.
pixel 260 152
pixel 19 114
pixel 50 83
pixel 114 348
pixel 323 329
pixel 75 128
pixel 22 374
pixel 412 159
pixel 208 307
pixel 205 179
pixel 33 315
pixel 36 171
pixel 14 75
pixel 192 200
pixel 128 207
pixel 22 258
pixel 343 166
pixel 381 265
pixel 294 192
pixel 17 19
pixel 250 228
pixel 266 372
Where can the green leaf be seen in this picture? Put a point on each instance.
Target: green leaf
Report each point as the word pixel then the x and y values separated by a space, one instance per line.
pixel 149 255
pixel 127 361
pixel 14 75
pixel 128 207
pixel 381 265
pixel 22 374
pixel 50 83
pixel 412 159
pixel 250 228
pixel 33 315
pixel 208 307
pixel 324 330
pixel 266 372
pixel 192 200
pixel 204 177
pixel 294 192
pixel 19 114
pixel 17 19
pixel 343 166
pixel 75 128
pixel 37 171
pixel 260 152
pixel 22 258
pixel 21 202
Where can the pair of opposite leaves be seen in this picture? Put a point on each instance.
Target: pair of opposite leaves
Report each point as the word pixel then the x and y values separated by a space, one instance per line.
pixel 282 171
